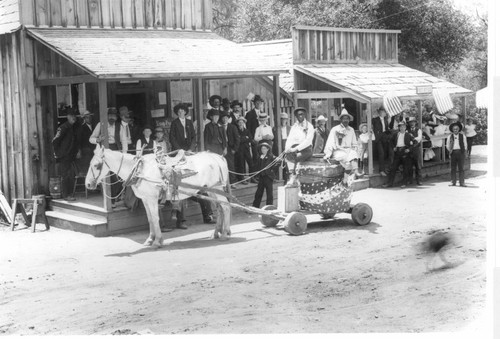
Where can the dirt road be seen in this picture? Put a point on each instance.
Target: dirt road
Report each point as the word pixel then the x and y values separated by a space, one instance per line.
pixel 336 278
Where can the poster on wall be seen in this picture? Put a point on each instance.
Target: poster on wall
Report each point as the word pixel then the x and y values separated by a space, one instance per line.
pixel 158 113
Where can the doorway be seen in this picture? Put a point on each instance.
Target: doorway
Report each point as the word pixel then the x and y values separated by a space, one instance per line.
pixel 135 102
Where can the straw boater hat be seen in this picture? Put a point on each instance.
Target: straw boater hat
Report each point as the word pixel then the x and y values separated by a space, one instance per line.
pixel 321 118
pixel 456 124
pixel 212 99
pixel 242 118
pixel 412 119
pixel 236 103
pixel 361 125
pixel 263 116
pixel 345 114
pixel 264 144
pixel 284 115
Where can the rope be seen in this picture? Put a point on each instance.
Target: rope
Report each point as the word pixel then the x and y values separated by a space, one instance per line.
pixel 253 174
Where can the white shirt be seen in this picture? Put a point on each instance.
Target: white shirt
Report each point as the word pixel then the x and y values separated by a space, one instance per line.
pixel 401 140
pixel 183 122
pixel 456 143
pixel 301 135
pixel 97 133
pixel 439 130
pixel 382 120
pixel 138 144
pixel 470 130
pixel 365 137
pixel 263 130
pixel 284 132
pixel 348 139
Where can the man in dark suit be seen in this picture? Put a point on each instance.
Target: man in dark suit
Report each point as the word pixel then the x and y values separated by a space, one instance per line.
pixel 85 147
pixel 65 149
pixel 401 143
pixel 233 143
pixel 252 124
pixel 182 133
pixel 183 136
pixel 380 126
pixel 243 155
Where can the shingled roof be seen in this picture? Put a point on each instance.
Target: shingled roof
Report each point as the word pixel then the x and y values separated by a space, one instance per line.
pixel 373 81
pixel 276 52
pixel 121 54
pixel 9 16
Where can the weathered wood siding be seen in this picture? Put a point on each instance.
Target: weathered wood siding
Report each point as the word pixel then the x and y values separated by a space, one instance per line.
pixel 19 144
pixel 155 14
pixel 336 45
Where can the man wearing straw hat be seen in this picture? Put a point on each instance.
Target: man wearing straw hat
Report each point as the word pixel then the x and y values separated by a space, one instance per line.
pixel 298 145
pixel 342 145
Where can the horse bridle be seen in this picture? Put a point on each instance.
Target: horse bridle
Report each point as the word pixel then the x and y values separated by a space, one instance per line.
pixel 105 163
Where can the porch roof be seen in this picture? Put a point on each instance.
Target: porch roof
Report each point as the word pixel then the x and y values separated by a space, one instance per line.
pixel 373 81
pixel 133 54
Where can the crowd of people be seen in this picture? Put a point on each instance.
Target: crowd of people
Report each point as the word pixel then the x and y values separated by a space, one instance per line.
pixel 249 145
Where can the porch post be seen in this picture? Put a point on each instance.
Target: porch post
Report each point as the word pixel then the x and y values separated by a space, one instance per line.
pixel 277 118
pixel 199 101
pixel 103 115
pixel 464 108
pixel 370 144
pixel 419 110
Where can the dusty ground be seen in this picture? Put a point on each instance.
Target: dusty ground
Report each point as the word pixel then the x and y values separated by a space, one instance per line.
pixel 336 278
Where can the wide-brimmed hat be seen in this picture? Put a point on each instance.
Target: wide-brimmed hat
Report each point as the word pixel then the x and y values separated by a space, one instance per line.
pixel 456 124
pixel 159 129
pixel 440 117
pixel 212 99
pixel 412 119
pixel 344 113
pixel 257 98
pixel 87 113
pixel 70 111
pixel 402 122
pixel 213 112
pixel 265 144
pixel 321 118
pixel 263 116
pixel 236 103
pixel 361 125
pixel 452 116
pixel 182 106
pixel 242 118
pixel 223 114
pixel 112 110
pixel 298 109
pixel 147 127
pixel 284 115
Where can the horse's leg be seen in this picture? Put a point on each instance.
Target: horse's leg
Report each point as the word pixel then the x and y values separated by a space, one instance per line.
pixel 151 238
pixel 222 227
pixel 154 222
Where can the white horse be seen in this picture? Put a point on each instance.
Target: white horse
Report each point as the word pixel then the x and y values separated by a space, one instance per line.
pixel 211 171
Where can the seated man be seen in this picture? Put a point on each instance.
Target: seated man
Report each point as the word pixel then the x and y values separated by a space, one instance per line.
pixel 298 145
pixel 342 145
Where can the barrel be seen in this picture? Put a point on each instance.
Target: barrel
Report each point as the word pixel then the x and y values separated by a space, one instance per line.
pixel 55 187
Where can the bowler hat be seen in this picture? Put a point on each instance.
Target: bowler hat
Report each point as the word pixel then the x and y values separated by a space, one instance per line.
pixel 257 98
pixel 298 109
pixel 213 112
pixel 456 124
pixel 212 99
pixel 236 103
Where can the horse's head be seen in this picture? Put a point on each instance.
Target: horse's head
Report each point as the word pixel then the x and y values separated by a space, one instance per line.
pixel 97 169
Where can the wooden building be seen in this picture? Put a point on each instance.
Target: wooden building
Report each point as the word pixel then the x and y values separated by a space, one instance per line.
pixel 93 54
pixel 356 68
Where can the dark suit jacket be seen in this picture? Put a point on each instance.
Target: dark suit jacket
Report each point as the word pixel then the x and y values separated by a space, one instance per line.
pixel 245 140
pixel 252 122
pixel 82 137
pixel 408 140
pixel 377 128
pixel 64 142
pixel 263 163
pixel 214 135
pixel 176 137
pixel 232 137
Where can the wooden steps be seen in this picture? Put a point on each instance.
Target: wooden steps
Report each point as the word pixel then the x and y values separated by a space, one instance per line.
pixel 75 222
